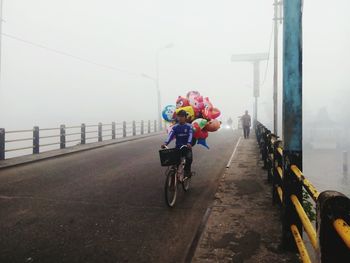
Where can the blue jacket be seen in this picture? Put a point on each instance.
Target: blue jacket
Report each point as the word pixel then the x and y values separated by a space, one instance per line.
pixel 182 133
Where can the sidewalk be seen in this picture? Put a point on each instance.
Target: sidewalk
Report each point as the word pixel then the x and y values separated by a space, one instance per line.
pixel 243 225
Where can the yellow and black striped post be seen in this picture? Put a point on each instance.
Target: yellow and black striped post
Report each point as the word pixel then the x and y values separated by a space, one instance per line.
pixel 333 220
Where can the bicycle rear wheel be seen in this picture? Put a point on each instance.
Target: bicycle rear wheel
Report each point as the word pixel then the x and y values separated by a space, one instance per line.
pixel 170 188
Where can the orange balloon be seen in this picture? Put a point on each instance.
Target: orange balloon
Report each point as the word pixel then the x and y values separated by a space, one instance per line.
pixel 212 125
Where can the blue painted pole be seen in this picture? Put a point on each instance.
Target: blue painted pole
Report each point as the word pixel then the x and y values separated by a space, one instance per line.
pixel 292 75
pixel 292 116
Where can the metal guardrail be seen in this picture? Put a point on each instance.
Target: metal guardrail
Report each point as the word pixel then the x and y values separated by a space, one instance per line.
pixel 331 239
pixel 112 130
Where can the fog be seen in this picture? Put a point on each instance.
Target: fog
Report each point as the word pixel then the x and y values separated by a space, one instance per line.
pixel 82 61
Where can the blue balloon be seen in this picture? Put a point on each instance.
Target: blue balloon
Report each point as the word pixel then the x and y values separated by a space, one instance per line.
pixel 168 113
pixel 203 142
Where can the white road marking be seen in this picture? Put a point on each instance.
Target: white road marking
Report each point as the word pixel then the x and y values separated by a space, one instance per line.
pixel 233 154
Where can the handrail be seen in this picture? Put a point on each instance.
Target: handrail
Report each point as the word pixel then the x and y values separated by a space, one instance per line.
pixel 113 130
pixel 49 144
pixel 280 151
pixel 19 131
pixel 343 230
pixel 280 193
pixel 91 132
pixel 274 159
pixel 90 138
pixel 19 149
pixel 76 140
pixel 19 140
pixel 49 129
pixel 50 136
pixel 305 220
pixel 75 133
pixel 306 183
pixel 300 244
pixel 280 172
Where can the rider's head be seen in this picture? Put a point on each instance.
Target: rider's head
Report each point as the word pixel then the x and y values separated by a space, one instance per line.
pixel 181 116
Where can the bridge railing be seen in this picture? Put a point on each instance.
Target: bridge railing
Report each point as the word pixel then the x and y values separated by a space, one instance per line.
pixel 331 237
pixel 40 139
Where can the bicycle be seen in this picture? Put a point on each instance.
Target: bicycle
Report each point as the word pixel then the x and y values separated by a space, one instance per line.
pixel 174 173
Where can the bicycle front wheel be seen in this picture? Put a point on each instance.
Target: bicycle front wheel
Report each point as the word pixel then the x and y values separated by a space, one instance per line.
pixel 170 188
pixel 186 184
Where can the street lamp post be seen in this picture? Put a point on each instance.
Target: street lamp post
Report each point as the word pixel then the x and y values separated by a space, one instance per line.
pixel 1 20
pixel 255 59
pixel 157 83
pixel 158 94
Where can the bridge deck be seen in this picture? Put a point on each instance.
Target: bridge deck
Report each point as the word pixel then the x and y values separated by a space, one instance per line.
pixel 243 225
pixel 107 205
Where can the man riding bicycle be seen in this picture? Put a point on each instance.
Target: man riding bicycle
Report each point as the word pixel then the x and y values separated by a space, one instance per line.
pixel 183 133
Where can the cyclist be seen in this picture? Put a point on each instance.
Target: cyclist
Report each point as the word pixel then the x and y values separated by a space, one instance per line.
pixel 183 133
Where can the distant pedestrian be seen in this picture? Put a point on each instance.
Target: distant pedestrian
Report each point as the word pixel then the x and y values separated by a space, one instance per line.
pixel 246 123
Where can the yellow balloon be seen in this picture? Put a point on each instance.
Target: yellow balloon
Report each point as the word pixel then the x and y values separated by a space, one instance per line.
pixel 189 110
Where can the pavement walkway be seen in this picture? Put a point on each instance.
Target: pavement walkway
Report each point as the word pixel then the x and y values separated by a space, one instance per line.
pixel 243 225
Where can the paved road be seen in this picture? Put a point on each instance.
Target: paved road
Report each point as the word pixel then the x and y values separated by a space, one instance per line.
pixel 105 205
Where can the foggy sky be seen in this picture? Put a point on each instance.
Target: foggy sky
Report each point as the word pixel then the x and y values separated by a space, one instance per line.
pixel 40 87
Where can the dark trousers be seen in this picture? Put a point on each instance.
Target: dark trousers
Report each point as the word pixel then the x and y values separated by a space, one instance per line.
pixel 187 153
pixel 246 131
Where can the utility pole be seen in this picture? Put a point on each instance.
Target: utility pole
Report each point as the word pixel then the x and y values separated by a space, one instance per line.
pixel 277 18
pixel 292 115
pixel 255 59
pixel 1 20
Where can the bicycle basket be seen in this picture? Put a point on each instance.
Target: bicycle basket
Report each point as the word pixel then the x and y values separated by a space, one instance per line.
pixel 169 157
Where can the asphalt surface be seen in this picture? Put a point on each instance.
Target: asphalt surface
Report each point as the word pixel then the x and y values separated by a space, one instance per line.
pixel 106 205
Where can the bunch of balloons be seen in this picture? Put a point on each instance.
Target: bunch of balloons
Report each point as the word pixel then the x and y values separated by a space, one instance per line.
pixel 200 113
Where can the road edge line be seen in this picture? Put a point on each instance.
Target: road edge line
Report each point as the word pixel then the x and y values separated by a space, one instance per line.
pixel 197 237
pixel 234 152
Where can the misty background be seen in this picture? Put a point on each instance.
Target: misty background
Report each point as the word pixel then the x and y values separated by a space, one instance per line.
pixel 72 62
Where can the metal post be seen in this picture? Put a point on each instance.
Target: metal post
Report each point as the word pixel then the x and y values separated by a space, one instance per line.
pixel 142 127
pixel 133 128
pixel 63 136
pixel 113 130
pixel 155 126
pixel 149 126
pixel 100 132
pixel 275 70
pixel 1 20
pixel 157 85
pixel 159 110
pixel 2 144
pixel 124 129
pixel 256 89
pixel 36 146
pixel 292 114
pixel 332 217
pixel 83 134
pixel 345 163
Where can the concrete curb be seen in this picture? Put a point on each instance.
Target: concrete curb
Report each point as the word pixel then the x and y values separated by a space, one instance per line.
pixel 17 161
